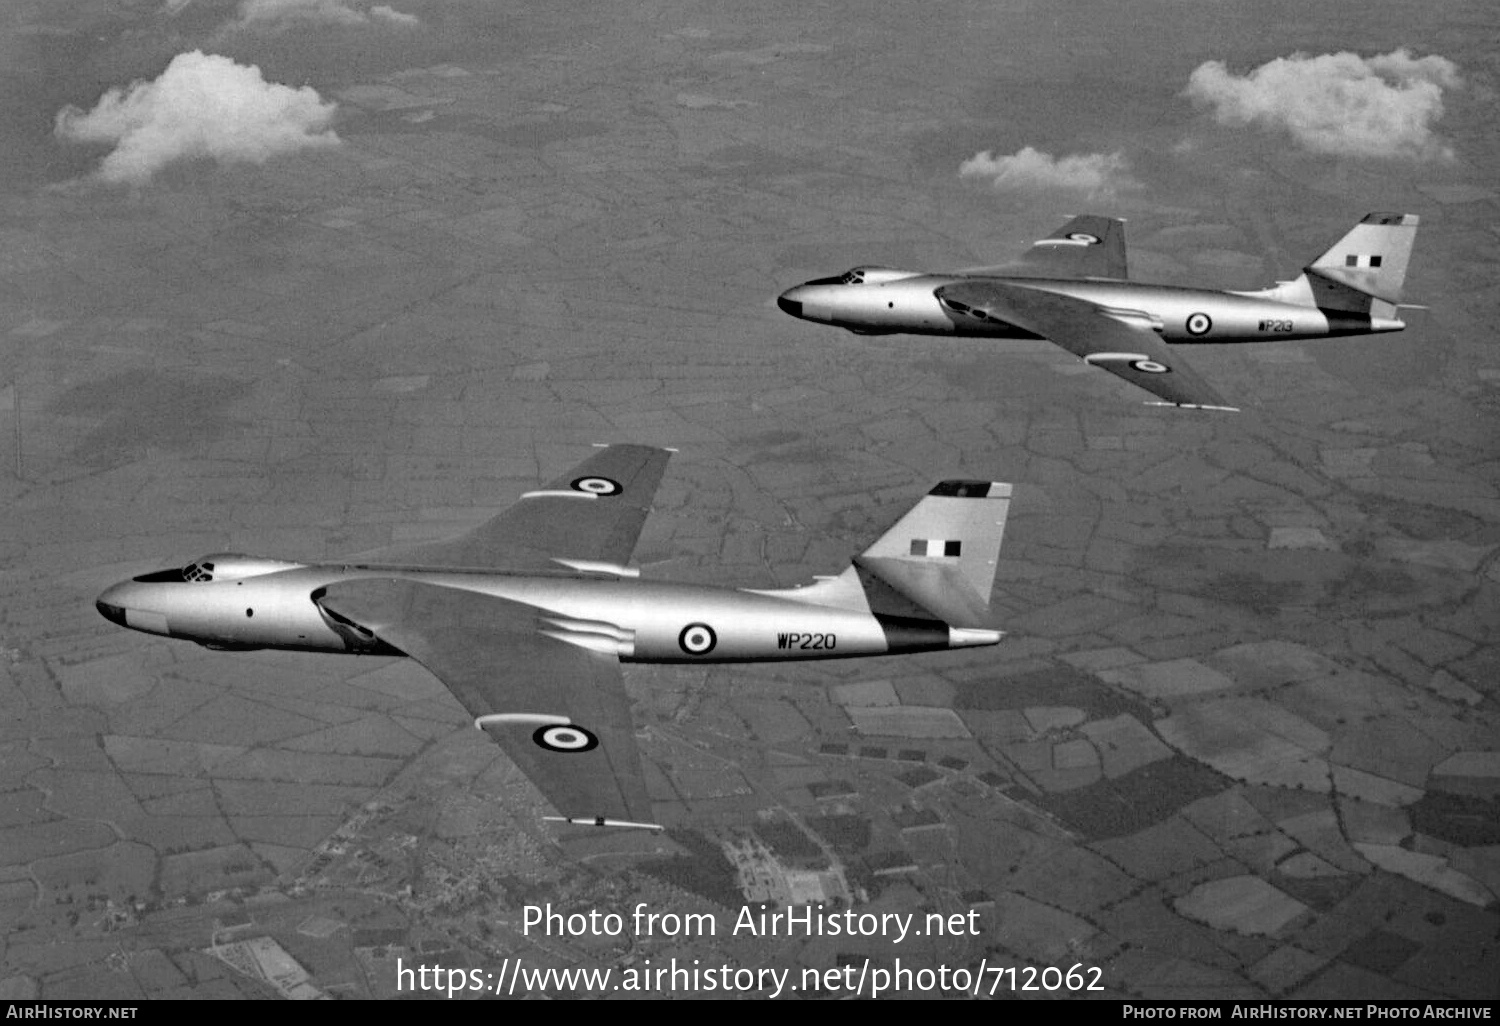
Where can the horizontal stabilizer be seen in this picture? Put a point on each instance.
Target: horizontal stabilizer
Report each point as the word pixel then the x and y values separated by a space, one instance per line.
pixel 939 590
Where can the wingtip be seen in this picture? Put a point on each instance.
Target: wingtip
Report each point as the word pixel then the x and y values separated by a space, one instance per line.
pixel 605 821
pixel 640 445
pixel 1195 406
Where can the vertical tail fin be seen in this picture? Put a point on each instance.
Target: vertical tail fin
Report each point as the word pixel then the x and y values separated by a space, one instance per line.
pixel 943 553
pixel 1364 271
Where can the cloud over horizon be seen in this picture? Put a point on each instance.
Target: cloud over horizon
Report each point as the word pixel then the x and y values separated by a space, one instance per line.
pixel 202 105
pixel 1337 103
pixel 1098 175
pixel 284 14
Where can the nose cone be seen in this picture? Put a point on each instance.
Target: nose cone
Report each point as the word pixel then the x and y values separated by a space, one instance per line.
pixel 134 605
pixel 790 301
pixel 111 604
pixel 111 612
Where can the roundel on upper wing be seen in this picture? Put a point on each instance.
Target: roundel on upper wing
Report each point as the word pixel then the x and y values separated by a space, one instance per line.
pixel 1150 367
pixel 1084 237
pixel 565 737
pixel 597 486
pixel 1199 324
pixel 697 639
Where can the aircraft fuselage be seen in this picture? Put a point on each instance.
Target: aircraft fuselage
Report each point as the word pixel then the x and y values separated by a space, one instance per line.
pixel 911 305
pixel 640 621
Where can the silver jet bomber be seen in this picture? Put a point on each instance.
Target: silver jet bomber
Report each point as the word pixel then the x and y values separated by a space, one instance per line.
pixel 1072 288
pixel 527 617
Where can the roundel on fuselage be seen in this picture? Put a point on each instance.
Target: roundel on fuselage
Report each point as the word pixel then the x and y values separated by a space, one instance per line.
pixel 697 639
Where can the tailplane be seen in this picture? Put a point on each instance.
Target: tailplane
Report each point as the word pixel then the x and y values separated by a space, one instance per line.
pixel 942 555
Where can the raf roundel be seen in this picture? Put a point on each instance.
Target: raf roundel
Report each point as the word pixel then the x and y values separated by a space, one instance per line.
pixel 565 737
pixel 597 486
pixel 697 639
pixel 1084 237
pixel 1199 324
pixel 1150 367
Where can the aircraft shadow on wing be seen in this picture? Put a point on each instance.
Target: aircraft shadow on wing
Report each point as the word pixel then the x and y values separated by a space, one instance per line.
pixel 527 617
pixel 1072 288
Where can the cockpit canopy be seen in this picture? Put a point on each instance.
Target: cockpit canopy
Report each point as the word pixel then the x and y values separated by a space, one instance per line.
pixel 874 275
pixel 866 275
pixel 221 566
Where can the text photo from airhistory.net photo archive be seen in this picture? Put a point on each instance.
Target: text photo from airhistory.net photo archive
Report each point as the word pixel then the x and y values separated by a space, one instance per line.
pixel 982 501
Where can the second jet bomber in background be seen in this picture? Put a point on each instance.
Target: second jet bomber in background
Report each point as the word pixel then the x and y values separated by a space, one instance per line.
pixel 1072 288
pixel 527 617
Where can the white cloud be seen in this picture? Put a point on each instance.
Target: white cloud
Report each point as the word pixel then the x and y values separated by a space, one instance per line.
pixel 1339 103
pixel 1099 175
pixel 285 14
pixel 381 12
pixel 202 105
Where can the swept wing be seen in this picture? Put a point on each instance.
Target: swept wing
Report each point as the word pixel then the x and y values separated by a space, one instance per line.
pixel 1088 246
pixel 592 513
pixel 558 710
pixel 1122 342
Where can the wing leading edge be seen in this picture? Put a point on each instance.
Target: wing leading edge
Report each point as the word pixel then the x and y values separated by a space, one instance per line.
pixel 1113 340
pixel 559 711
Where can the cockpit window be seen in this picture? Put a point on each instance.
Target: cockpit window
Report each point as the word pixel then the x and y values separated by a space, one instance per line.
pixel 196 572
pixel 853 277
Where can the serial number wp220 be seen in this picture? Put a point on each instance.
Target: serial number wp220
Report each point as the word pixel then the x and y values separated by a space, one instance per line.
pixel 821 641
